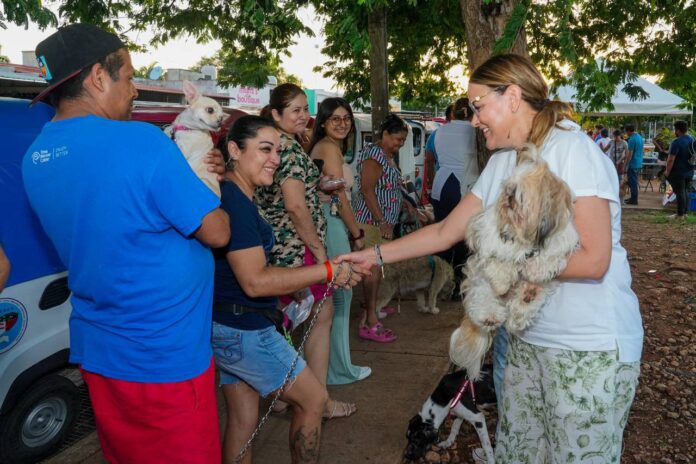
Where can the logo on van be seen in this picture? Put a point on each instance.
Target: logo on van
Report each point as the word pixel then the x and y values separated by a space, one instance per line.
pixel 13 323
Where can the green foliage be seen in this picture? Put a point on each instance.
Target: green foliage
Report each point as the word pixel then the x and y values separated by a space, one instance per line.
pixel 144 71
pixel 24 12
pixel 514 25
pixel 253 33
pixel 425 40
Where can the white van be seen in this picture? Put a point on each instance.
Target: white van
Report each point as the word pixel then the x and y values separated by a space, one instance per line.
pixel 39 396
pixel 411 156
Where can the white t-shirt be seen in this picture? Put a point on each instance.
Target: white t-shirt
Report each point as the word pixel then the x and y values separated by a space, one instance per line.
pixel 455 146
pixel 582 315
pixel 603 142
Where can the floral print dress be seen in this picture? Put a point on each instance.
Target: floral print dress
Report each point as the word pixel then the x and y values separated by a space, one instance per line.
pixel 289 249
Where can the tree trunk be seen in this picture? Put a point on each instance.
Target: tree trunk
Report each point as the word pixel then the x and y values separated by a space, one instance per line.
pixel 379 70
pixel 484 25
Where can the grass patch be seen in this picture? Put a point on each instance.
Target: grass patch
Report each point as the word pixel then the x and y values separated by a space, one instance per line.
pixel 662 217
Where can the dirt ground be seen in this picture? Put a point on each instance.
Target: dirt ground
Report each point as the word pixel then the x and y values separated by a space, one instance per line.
pixel 662 423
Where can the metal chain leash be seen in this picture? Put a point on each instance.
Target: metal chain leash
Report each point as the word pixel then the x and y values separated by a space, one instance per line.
pixel 265 417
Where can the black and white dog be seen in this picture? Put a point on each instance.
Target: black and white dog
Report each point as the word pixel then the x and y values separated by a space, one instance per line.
pixel 458 396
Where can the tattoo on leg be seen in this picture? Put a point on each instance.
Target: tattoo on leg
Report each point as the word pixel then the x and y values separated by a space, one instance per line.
pixel 305 446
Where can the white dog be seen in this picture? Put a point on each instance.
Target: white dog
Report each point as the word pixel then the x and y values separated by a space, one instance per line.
pixel 191 132
pixel 519 245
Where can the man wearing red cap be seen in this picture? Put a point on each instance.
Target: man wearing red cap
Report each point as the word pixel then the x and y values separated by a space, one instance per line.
pixel 133 224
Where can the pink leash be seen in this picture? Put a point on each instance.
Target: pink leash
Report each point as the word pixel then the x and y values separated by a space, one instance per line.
pixel 467 383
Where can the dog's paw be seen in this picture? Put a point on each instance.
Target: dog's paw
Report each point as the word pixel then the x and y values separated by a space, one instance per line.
pixel 434 310
pixel 445 444
pixel 423 309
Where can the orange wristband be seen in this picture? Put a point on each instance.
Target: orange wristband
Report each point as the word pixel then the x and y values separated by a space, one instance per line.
pixel 329 271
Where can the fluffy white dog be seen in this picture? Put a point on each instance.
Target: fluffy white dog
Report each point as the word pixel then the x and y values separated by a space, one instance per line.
pixel 519 244
pixel 191 132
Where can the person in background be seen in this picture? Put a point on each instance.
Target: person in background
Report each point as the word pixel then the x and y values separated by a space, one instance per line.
pixel 291 205
pixel 4 268
pixel 449 112
pixel 333 127
pixel 604 140
pixel 565 358
pixel 377 207
pixel 679 171
pixel 252 357
pixel 634 162
pixel 598 132
pixel 617 150
pixel 454 145
pixel 133 225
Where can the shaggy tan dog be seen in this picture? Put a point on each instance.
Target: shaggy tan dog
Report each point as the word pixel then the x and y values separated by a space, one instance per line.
pixel 519 245
pixel 426 274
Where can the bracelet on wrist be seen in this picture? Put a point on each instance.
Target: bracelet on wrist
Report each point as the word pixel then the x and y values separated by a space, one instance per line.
pixel 329 271
pixel 380 261
pixel 360 236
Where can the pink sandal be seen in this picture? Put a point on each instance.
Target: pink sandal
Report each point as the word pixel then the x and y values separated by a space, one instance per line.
pixel 376 333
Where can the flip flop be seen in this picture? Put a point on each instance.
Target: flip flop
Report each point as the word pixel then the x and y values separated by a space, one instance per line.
pixel 376 333
pixel 339 410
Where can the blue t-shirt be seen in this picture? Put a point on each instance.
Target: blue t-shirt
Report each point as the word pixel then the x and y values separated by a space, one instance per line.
pixel 120 204
pixel 680 149
pixel 430 146
pixel 635 144
pixel 249 230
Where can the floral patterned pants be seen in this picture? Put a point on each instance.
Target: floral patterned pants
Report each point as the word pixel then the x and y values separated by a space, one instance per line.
pixel 562 406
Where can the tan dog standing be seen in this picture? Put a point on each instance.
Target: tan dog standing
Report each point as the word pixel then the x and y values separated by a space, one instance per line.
pixel 191 132
pixel 420 275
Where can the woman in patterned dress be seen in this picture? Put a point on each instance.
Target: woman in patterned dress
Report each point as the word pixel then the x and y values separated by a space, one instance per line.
pixel 333 126
pixel 291 205
pixel 377 207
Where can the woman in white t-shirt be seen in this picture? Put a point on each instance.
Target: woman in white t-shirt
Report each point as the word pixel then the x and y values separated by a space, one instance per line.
pixel 572 374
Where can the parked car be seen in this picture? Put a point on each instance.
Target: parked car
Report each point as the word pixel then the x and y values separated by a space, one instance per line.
pixel 38 396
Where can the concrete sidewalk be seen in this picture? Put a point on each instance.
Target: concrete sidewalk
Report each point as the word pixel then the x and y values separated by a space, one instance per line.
pixel 404 374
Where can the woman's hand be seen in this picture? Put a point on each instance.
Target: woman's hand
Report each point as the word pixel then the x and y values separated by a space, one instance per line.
pixel 216 163
pixel 347 275
pixel 365 258
pixel 387 230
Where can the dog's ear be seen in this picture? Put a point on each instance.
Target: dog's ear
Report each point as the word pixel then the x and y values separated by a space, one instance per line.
pixel 191 92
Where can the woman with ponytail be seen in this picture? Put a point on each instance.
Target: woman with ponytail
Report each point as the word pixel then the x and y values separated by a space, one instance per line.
pixel 571 375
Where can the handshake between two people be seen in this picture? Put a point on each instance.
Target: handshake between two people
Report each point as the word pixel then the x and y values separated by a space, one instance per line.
pixel 359 264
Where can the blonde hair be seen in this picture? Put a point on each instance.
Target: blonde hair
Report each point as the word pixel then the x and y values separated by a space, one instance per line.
pixel 501 71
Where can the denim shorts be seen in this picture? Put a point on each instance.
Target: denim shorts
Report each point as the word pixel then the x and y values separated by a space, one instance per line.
pixel 261 358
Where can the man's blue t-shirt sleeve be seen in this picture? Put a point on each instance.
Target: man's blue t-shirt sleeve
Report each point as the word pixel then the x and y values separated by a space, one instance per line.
pixel 180 196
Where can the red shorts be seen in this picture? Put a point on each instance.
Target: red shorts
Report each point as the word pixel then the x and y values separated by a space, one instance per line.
pixel 156 422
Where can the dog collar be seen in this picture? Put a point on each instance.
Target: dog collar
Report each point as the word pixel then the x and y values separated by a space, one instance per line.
pixel 466 384
pixel 178 127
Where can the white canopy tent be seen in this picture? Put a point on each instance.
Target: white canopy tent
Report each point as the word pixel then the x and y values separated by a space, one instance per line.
pixel 659 102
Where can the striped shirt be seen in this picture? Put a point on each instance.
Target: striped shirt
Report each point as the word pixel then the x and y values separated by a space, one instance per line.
pixel 388 188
